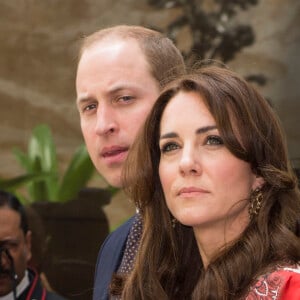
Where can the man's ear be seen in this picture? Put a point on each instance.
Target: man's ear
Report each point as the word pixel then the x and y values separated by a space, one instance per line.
pixel 28 245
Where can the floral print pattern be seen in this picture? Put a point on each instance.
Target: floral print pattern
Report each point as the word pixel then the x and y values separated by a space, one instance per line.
pixel 283 284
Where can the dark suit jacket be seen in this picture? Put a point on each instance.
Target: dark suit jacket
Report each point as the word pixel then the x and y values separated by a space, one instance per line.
pixel 35 290
pixel 109 259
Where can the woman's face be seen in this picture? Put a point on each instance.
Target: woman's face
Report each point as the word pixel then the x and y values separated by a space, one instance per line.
pixel 203 182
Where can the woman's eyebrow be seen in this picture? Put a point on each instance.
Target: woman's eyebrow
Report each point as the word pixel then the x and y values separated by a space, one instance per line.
pixel 205 129
pixel 200 130
pixel 168 135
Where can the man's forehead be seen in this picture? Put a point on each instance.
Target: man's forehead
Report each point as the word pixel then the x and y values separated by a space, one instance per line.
pixel 112 45
pixel 10 220
pixel 113 88
pixel 82 97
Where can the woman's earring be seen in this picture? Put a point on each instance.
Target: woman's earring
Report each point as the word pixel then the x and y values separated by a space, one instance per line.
pixel 256 199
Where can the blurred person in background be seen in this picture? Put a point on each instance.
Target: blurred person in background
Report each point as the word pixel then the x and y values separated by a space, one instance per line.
pixel 17 279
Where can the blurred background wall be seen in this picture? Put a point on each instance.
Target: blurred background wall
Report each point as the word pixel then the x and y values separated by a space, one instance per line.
pixel 38 53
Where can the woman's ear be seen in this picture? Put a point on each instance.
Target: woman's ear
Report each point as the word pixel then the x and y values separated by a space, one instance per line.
pixel 258 182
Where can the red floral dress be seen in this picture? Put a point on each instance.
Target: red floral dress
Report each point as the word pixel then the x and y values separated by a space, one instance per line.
pixel 283 284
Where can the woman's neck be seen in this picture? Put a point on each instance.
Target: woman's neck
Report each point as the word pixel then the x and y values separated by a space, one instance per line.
pixel 212 238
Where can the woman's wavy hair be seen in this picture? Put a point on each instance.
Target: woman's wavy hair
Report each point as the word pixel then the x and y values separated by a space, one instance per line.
pixel 168 265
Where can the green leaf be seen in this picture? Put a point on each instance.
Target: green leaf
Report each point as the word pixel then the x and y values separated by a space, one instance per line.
pixel 23 159
pixel 41 145
pixel 42 153
pixel 77 175
pixel 40 158
pixel 13 184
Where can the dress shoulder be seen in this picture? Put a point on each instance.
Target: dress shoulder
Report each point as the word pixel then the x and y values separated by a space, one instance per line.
pixel 281 284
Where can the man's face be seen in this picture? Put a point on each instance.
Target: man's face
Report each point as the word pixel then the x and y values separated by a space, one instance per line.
pixel 19 246
pixel 115 92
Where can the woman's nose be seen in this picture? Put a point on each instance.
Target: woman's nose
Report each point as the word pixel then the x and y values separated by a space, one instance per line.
pixel 189 162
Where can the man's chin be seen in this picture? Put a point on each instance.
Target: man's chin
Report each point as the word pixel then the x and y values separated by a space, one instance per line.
pixel 112 178
pixel 5 285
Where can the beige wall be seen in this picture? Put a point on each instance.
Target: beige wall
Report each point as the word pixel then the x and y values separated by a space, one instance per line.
pixel 38 61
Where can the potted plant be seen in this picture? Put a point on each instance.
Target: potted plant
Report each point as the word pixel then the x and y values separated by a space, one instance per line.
pixel 42 175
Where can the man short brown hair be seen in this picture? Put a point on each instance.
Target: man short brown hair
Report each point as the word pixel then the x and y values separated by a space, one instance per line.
pixel 164 59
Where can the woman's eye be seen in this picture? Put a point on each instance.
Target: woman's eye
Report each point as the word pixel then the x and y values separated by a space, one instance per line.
pixel 169 147
pixel 214 140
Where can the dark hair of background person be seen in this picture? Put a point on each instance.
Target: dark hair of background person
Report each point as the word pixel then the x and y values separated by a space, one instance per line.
pixel 168 265
pixel 11 201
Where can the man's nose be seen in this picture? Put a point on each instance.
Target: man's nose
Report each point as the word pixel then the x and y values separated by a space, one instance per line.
pixel 106 121
pixel 4 260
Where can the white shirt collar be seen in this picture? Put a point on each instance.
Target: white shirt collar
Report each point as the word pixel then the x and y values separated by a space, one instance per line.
pixel 21 287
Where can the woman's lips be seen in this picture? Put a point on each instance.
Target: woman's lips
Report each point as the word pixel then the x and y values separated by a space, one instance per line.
pixel 191 191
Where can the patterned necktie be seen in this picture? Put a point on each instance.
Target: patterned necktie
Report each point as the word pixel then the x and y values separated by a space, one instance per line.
pixel 132 245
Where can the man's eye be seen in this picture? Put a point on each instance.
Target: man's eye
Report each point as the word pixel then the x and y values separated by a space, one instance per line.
pixel 169 147
pixel 214 140
pixel 125 98
pixel 10 245
pixel 89 107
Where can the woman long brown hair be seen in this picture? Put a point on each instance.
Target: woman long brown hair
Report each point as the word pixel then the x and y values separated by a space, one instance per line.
pixel 168 265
